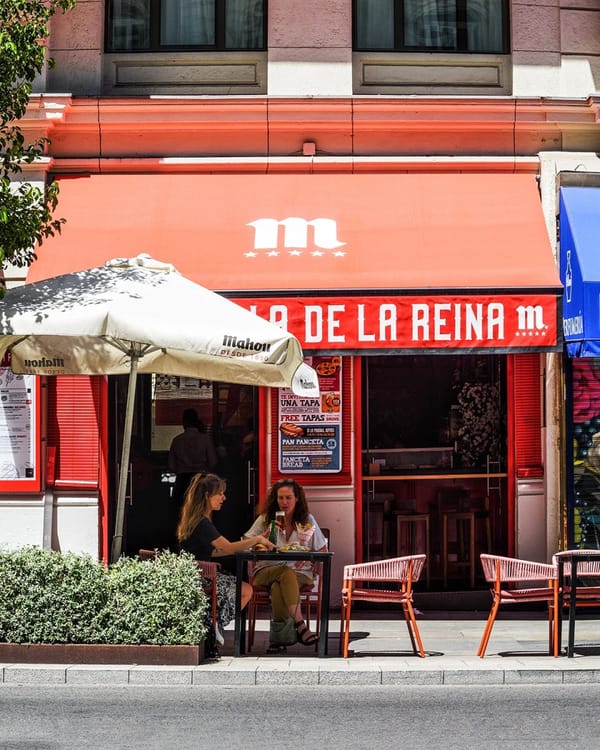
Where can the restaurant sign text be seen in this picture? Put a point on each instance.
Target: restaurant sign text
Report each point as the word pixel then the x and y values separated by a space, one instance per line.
pixel 448 321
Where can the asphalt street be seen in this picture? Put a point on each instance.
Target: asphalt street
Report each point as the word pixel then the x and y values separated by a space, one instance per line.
pixel 538 717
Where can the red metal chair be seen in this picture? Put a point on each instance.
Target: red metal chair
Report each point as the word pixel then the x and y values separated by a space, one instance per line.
pixel 397 576
pixel 587 595
pixel 509 570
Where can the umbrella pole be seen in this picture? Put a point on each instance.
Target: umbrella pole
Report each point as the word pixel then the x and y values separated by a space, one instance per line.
pixel 117 542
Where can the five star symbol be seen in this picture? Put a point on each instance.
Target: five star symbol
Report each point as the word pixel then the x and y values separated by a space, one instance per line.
pixel 296 253
pixel 533 333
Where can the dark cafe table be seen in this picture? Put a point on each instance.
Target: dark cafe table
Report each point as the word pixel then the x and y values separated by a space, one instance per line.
pixel 573 558
pixel 242 558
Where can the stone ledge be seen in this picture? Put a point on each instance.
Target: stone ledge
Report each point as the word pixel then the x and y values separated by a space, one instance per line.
pixel 96 653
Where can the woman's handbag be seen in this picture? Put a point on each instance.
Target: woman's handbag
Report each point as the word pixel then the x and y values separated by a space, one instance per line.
pixel 283 632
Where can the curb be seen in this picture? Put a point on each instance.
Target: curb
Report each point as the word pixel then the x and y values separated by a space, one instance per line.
pixel 302 671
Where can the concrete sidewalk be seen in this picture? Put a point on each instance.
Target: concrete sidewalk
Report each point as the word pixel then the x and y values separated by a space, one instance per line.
pixel 517 654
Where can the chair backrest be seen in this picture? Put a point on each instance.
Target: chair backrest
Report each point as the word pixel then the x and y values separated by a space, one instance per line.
pixel 406 505
pixel 511 569
pixel 395 569
pixel 208 569
pixel 147 554
pixel 327 534
pixel 451 499
pixel 479 503
pixel 585 568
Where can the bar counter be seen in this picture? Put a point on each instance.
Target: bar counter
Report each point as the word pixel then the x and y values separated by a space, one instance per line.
pixel 423 474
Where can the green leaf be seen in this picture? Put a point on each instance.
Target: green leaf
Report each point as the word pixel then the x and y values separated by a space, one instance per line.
pixel 25 215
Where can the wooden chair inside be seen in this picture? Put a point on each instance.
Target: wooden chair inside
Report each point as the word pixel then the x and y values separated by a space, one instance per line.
pixel 457 532
pixel 531 582
pixel 388 580
pixel 310 597
pixel 380 520
pixel 408 522
pixel 480 505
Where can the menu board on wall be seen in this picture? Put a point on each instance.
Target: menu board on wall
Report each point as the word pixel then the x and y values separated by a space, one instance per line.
pixel 19 439
pixel 310 429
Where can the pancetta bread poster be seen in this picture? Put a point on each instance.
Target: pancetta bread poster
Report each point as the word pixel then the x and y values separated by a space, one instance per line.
pixel 310 429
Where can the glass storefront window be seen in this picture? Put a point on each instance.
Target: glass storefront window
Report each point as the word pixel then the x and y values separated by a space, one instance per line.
pixel 436 402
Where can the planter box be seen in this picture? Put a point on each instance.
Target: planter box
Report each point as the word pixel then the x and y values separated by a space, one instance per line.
pixel 84 653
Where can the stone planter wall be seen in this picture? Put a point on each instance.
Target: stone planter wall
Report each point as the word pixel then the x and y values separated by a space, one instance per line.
pixel 82 653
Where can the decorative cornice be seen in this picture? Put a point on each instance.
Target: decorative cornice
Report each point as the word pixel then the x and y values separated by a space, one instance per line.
pixel 267 133
pixel 287 164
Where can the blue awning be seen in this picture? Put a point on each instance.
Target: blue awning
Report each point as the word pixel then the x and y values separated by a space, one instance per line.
pixel 580 269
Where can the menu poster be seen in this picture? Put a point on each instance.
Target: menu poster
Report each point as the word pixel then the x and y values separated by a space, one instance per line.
pixel 310 429
pixel 19 454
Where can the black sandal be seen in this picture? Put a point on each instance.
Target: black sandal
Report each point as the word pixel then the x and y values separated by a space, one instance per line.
pixel 305 637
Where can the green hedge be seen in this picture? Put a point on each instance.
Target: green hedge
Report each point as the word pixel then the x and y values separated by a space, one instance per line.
pixel 49 597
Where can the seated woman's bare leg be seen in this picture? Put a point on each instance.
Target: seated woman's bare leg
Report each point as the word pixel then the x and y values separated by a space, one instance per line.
pixel 246 594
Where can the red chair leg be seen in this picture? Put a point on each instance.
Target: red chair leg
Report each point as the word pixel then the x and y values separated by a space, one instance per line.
pixel 553 617
pixel 488 628
pixel 413 630
pixel 345 626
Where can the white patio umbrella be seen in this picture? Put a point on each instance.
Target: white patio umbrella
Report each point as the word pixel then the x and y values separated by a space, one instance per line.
pixel 139 315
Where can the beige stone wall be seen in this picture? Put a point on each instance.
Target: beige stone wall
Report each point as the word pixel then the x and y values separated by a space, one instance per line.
pixel 76 44
pixel 555 47
pixel 555 52
pixel 310 48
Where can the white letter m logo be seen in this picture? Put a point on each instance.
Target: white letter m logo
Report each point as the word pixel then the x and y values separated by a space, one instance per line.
pixel 530 317
pixel 266 233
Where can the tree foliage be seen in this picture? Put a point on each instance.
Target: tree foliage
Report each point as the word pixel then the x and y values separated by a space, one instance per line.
pixel 26 211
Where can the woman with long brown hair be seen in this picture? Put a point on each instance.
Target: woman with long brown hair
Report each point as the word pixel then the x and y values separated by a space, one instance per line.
pixel 285 579
pixel 198 535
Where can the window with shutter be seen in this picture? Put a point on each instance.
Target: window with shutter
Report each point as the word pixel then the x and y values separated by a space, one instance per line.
pixel 74 428
pixel 527 394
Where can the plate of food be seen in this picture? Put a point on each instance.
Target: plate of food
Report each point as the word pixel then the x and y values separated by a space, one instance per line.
pixel 294 548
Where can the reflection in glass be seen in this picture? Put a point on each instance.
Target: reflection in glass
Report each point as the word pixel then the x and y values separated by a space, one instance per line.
pixel 129 24
pixel 484 25
pixel 187 22
pixel 374 23
pixel 430 24
pixel 412 25
pixel 243 24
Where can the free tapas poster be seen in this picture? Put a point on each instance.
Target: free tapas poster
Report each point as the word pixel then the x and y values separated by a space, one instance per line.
pixel 310 429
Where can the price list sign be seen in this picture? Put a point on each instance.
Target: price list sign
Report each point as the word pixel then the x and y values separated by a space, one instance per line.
pixel 310 429
pixel 19 455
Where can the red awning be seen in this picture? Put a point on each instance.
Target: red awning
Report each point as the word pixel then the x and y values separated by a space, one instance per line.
pixel 265 234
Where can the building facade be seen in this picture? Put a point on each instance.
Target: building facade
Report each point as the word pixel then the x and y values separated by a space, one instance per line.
pixel 420 157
